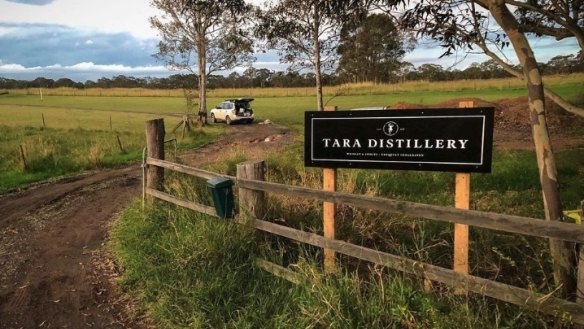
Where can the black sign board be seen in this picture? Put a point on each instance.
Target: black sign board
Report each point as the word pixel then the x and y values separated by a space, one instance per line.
pixel 458 140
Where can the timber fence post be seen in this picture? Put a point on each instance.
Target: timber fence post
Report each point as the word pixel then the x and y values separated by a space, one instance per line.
pixel 120 144
pixel 23 158
pixel 252 202
pixel 155 149
pixel 328 211
pixel 461 232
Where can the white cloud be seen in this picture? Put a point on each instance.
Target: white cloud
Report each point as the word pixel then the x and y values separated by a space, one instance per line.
pixel 110 16
pixel 5 30
pixel 12 68
pixel 270 65
pixel 89 42
pixel 80 71
pixel 113 68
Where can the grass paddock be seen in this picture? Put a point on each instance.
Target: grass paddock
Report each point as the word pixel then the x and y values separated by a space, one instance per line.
pixel 190 271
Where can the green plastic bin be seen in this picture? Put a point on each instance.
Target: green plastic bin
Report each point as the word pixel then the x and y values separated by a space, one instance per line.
pixel 222 194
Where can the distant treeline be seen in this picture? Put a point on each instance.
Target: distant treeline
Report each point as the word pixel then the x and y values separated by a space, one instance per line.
pixel 259 78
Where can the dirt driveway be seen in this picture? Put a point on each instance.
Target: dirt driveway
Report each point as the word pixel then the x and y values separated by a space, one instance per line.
pixel 55 272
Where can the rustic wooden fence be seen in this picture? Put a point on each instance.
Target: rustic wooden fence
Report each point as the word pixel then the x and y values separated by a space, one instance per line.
pixel 252 189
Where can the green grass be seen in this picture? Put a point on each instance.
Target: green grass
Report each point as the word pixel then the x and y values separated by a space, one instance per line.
pixel 51 152
pixel 191 271
pixel 65 135
pixel 187 274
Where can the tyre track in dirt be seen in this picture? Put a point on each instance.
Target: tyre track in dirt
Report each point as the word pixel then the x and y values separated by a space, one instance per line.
pixel 55 271
pixel 50 247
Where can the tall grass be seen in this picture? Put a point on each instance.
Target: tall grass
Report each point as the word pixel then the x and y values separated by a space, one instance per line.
pixel 191 271
pixel 50 152
pixel 512 188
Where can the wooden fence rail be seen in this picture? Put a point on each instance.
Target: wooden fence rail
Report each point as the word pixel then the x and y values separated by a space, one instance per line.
pixel 547 304
pixel 185 169
pixel 507 223
pixel 544 303
pixel 183 203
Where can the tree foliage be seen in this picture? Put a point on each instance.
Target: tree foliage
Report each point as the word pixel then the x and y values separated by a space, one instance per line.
pixel 467 23
pixel 187 25
pixel 370 50
pixel 304 34
pixel 559 19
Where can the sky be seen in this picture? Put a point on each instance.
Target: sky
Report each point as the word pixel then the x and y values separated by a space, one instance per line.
pixel 89 39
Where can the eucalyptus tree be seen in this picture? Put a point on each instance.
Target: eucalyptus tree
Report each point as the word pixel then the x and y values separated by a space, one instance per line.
pixel 305 33
pixel 464 24
pixel 371 50
pixel 202 37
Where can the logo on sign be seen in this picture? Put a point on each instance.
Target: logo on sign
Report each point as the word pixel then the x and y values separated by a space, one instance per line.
pixel 390 128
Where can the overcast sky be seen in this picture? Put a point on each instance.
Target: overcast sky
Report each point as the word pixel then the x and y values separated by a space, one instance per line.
pixel 88 39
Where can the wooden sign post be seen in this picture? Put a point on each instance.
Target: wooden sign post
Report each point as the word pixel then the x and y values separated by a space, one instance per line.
pixel 328 211
pixel 446 139
pixel 461 201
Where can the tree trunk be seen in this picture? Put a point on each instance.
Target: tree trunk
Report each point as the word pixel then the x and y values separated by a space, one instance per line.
pixel 316 59
pixel 562 252
pixel 202 63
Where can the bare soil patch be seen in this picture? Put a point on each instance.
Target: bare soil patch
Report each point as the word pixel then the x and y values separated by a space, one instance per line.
pixel 254 141
pixel 512 125
pixel 56 272
pixel 51 248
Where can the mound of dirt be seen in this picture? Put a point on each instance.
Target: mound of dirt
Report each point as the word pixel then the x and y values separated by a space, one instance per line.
pixel 512 121
pixel 407 106
pixel 477 102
